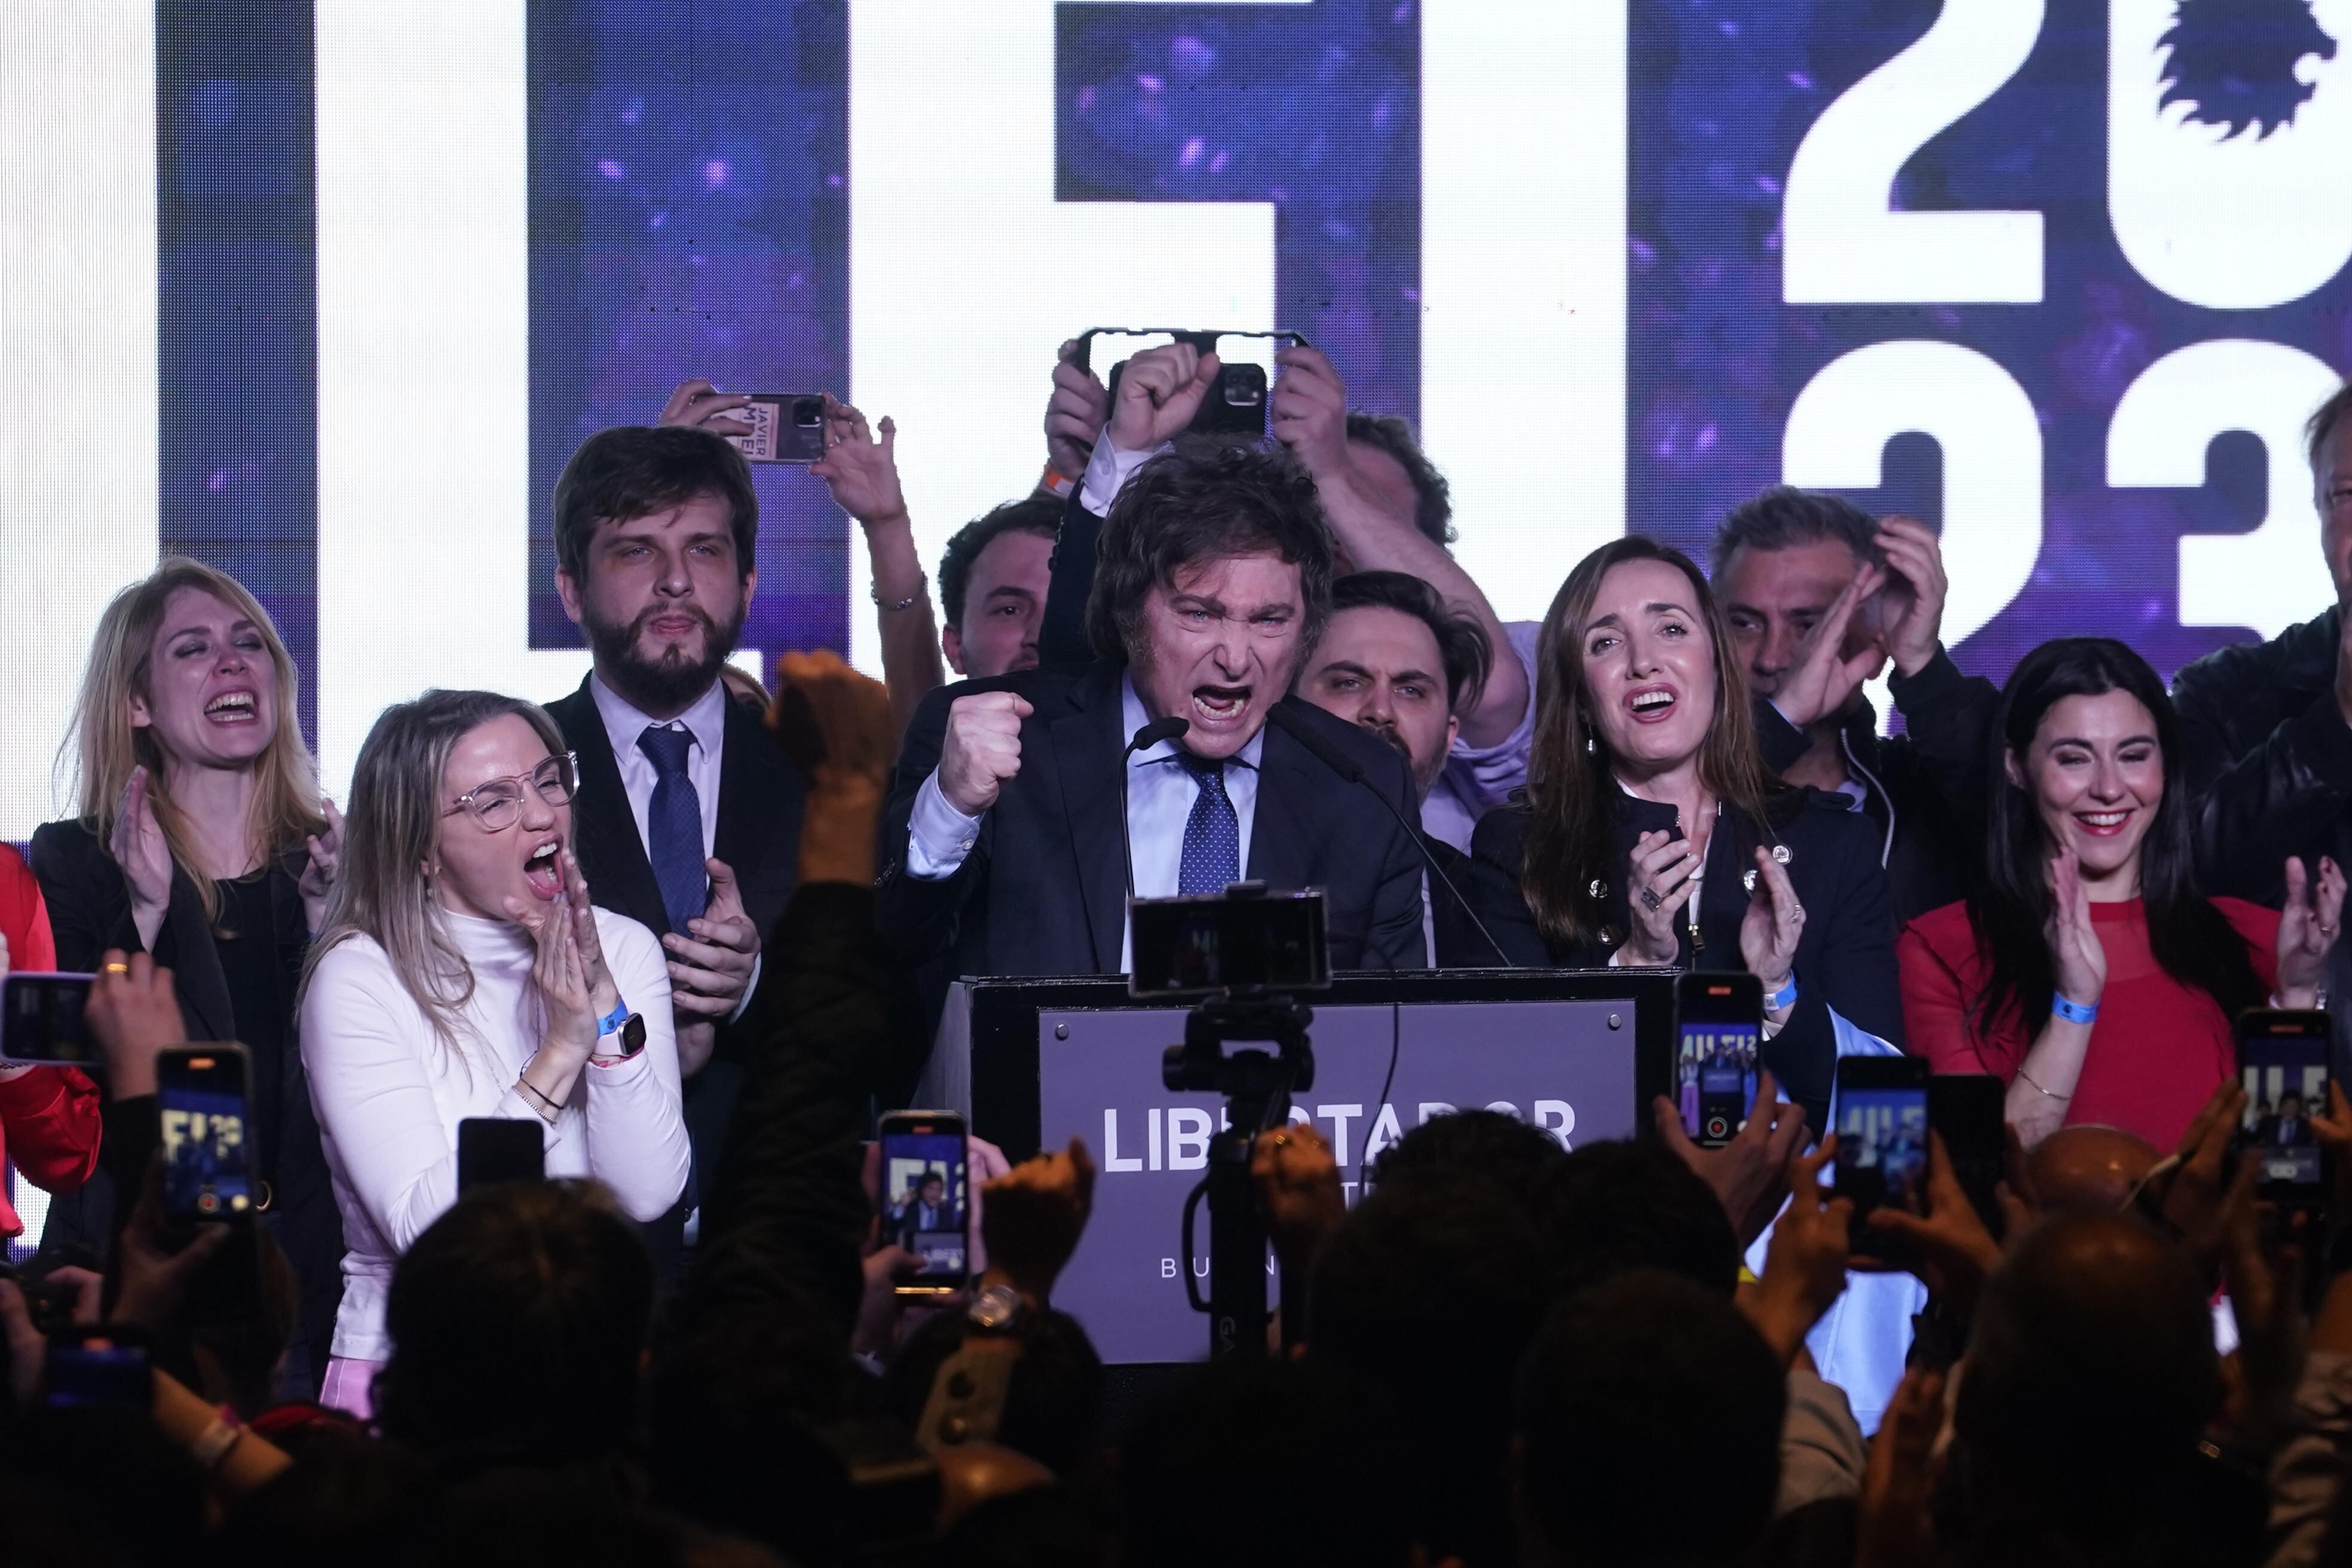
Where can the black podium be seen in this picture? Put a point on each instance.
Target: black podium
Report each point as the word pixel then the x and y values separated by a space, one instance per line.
pixel 1577 1052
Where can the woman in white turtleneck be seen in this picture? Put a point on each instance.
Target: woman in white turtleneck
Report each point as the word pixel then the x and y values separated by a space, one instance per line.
pixel 464 972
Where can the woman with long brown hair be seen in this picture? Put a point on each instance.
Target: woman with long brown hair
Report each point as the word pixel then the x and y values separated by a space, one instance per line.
pixel 1652 833
pixel 201 838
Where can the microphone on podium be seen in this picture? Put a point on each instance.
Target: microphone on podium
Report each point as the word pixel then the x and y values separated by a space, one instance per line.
pixel 1150 735
pixel 1291 724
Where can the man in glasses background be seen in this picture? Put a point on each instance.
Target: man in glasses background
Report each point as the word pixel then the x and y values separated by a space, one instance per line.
pixel 686 817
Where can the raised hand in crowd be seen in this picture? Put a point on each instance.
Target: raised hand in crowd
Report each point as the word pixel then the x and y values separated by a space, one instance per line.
pixel 1896 1526
pixel 1769 931
pixel 1750 1173
pixel 2188 1191
pixel 838 728
pixel 323 855
pixel 1911 609
pixel 1665 866
pixel 1033 1216
pixel 1804 1268
pixel 133 1014
pixel 861 471
pixel 1298 1184
pixel 1371 504
pixel 1159 393
pixel 982 748
pixel 1825 676
pixel 1955 1253
pixel 139 847
pixel 155 1276
pixel 860 467
pixel 1074 416
pixel 2307 929
pixel 698 405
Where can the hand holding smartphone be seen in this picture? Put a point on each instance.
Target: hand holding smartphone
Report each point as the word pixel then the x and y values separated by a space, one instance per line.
pixel 1882 1139
pixel 1718 1027
pixel 2282 1060
pixel 206 1119
pixel 787 427
pixel 41 1020
pixel 926 1198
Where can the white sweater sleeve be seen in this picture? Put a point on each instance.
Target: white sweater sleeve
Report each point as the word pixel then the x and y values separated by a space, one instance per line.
pixel 637 1123
pixel 365 1048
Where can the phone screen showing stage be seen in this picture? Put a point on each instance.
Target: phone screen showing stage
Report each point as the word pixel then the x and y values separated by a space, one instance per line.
pixel 1715 1077
pixel 925 1202
pixel 1882 1148
pixel 208 1159
pixel 2286 1077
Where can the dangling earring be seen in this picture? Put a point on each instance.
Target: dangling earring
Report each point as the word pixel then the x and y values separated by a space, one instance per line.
pixel 1590 747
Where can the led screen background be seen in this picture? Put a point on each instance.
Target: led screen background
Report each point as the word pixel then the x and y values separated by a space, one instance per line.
pixel 345 283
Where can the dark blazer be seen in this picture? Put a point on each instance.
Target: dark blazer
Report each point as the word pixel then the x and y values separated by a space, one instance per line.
pixel 89 912
pixel 1043 891
pixel 1846 956
pixel 759 833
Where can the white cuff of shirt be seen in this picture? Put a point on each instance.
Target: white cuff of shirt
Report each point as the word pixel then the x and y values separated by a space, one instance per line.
pixel 939 836
pixel 744 1003
pixel 1108 472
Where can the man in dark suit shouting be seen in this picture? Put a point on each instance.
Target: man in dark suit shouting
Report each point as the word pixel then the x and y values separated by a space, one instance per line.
pixel 1212 581
pixel 688 819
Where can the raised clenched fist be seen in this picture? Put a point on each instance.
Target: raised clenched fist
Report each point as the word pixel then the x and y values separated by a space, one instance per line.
pixel 982 748
pixel 1159 393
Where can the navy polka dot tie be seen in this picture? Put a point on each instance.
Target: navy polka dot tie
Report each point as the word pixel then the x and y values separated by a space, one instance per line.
pixel 1213 834
pixel 674 826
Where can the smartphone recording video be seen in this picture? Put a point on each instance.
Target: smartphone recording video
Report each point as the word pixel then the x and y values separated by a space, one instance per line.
pixel 1237 405
pixel 1881 1132
pixel 208 1159
pixel 1718 1023
pixel 787 427
pixel 926 1199
pixel 2283 1062
pixel 40 1019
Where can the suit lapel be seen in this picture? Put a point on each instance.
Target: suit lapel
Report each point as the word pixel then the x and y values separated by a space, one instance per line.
pixel 1087 746
pixel 202 983
pixel 620 876
pixel 753 784
pixel 1280 832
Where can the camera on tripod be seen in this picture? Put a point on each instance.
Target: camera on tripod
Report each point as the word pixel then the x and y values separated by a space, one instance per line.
pixel 1242 952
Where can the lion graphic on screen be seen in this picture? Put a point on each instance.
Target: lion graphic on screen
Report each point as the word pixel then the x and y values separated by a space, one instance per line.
pixel 2232 61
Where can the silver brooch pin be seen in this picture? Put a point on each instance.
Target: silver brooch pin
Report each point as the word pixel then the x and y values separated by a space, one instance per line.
pixel 1781 853
pixel 1748 878
pixel 1600 888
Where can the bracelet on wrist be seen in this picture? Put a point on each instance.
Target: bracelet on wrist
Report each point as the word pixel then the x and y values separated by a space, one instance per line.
pixel 2072 1012
pixel 2044 1093
pixel 1786 997
pixel 887 607
pixel 212 1444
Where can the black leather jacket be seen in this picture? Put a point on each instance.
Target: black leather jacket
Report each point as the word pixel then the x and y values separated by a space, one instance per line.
pixel 2268 758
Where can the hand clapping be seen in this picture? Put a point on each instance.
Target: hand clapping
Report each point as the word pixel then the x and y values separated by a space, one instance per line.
pixel 1775 922
pixel 2307 929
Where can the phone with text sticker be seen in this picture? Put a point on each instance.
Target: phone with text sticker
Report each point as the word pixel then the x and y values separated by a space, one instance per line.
pixel 1237 405
pixel 787 427
pixel 40 1019
pixel 1970 1112
pixel 2283 1057
pixel 1881 1137
pixel 1718 1026
pixel 926 1198
pixel 205 1118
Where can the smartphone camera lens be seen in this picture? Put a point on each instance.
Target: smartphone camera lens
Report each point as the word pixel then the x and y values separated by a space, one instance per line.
pixel 808 413
pixel 1244 385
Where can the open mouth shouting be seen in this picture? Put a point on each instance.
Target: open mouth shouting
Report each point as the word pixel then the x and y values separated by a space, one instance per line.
pixel 1218 708
pixel 540 870
pixel 234 707
pixel 1652 704
pixel 2103 823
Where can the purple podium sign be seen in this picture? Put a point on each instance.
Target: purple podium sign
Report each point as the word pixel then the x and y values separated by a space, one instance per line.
pixel 1564 1065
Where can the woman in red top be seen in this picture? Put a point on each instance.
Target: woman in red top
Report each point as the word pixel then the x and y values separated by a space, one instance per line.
pixel 2086 971
pixel 48 1116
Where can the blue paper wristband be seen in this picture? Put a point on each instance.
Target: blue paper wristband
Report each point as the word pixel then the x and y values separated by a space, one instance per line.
pixel 1784 997
pixel 610 1024
pixel 2071 1012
